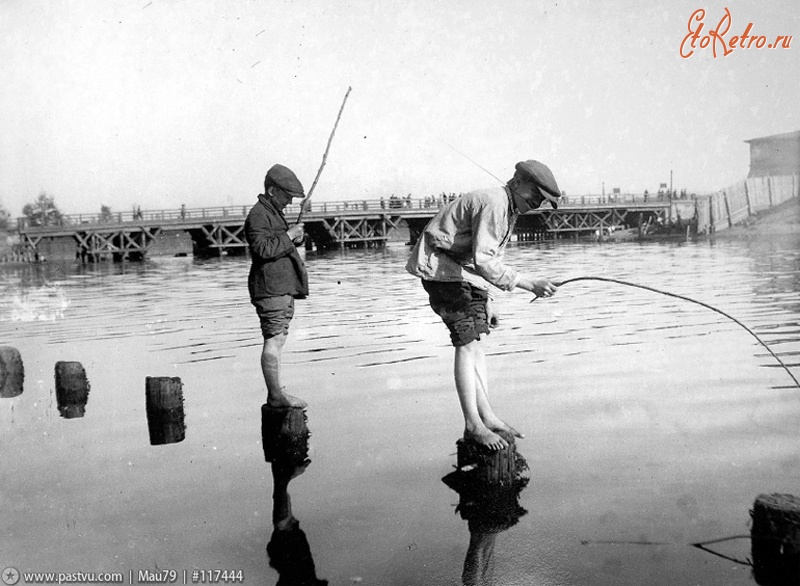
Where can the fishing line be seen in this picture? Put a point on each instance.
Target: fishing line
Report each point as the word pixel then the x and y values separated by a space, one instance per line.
pixel 484 169
pixel 684 298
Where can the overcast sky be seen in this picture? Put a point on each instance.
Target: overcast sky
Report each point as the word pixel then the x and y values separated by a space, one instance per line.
pixel 163 102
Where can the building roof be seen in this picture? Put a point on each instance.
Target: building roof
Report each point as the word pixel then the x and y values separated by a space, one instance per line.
pixel 784 136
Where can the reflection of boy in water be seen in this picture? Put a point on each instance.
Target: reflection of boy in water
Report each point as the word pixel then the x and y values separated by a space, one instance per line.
pixel 458 255
pixel 285 439
pixel 288 549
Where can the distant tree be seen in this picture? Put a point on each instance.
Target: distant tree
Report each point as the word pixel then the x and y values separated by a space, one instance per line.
pixel 105 214
pixel 42 212
pixel 5 218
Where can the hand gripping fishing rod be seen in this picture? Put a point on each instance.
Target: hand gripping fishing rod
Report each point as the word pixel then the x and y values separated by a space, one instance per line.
pixel 654 290
pixel 676 296
pixel 307 201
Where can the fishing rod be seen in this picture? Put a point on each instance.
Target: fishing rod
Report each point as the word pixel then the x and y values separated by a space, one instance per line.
pixel 307 201
pixel 684 298
pixel 646 288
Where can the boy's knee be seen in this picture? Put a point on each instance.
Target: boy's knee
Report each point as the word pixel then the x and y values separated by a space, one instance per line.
pixel 469 348
pixel 274 344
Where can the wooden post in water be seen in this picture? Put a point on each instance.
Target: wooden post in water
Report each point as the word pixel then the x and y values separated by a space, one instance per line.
pixel 164 405
pixel 775 539
pixel 284 435
pixel 72 389
pixel 12 372
pixel 491 467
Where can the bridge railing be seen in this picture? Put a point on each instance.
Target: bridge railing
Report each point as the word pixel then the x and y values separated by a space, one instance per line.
pixel 192 215
pixel 381 205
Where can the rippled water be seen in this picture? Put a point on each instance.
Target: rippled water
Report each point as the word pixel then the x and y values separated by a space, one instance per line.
pixel 652 423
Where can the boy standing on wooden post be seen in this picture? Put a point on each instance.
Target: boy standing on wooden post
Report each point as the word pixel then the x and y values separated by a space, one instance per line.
pixel 277 274
pixel 458 254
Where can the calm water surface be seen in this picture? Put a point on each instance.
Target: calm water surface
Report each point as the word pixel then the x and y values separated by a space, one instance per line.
pixel 652 423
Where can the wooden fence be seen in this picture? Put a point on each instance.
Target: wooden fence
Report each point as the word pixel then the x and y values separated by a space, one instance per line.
pixel 728 207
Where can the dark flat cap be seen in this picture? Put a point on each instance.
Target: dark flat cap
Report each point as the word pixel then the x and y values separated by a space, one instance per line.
pixel 284 178
pixel 542 176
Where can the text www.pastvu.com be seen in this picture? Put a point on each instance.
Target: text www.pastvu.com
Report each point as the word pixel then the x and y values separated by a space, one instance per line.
pixel 73 578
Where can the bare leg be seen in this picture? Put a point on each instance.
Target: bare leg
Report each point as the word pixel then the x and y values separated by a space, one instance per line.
pixel 485 410
pixel 466 359
pixel 271 367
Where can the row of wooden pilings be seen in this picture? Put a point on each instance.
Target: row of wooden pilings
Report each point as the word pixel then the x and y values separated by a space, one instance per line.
pixel 163 395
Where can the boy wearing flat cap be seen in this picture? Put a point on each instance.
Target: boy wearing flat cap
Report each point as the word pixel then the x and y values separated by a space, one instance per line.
pixel 457 256
pixel 277 274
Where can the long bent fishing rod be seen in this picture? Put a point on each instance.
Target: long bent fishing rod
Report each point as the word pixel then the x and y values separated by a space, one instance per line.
pixel 684 298
pixel 305 205
pixel 654 290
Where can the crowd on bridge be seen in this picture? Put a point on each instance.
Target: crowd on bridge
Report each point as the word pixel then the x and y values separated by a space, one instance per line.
pixel 431 201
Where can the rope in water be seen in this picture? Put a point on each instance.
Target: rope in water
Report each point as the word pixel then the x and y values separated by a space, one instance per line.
pixel 676 296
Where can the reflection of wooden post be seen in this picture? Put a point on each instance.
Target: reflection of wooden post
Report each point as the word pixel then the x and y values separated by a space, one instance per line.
pixel 12 372
pixel 487 466
pixel 164 405
pixel 72 389
pixel 775 538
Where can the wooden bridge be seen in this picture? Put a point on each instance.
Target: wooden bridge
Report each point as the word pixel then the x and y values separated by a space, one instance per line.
pixel 363 223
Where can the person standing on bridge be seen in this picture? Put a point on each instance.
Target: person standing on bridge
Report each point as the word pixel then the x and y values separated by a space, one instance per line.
pixel 457 256
pixel 277 274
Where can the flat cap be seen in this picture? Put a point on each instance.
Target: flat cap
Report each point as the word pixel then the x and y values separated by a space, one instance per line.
pixel 284 178
pixel 542 176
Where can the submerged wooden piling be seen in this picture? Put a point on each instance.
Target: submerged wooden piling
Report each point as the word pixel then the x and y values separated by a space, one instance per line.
pixel 12 372
pixel 775 539
pixel 488 484
pixel 164 406
pixel 488 466
pixel 72 389
pixel 284 435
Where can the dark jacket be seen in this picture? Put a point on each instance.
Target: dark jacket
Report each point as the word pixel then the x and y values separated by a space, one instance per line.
pixel 276 268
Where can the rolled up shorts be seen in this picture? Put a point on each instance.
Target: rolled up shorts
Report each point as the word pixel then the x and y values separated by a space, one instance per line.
pixel 275 314
pixel 462 308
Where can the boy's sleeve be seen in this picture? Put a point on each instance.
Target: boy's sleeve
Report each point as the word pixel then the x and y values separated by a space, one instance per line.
pixel 265 242
pixel 489 228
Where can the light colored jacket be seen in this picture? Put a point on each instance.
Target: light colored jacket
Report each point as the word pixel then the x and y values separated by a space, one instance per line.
pixel 466 239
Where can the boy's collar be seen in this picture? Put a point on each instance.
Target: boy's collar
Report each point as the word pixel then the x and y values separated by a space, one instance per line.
pixel 266 201
pixel 512 203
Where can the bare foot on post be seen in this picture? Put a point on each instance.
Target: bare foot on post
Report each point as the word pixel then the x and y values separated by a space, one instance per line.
pixel 282 399
pixel 486 438
pixel 497 424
